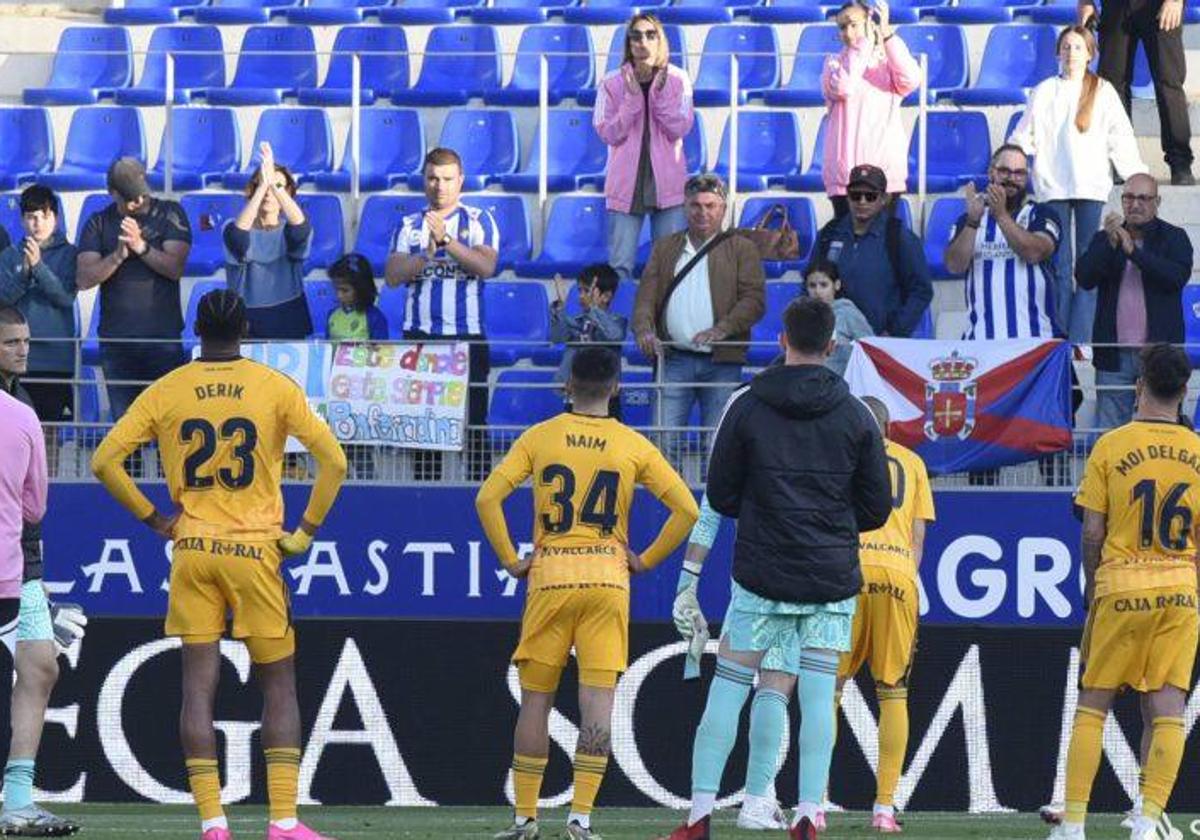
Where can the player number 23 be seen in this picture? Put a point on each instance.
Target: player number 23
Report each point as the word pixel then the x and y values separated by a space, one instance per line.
pixel 599 508
pixel 241 431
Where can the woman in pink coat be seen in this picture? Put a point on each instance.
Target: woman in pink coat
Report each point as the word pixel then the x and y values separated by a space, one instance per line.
pixel 643 111
pixel 864 85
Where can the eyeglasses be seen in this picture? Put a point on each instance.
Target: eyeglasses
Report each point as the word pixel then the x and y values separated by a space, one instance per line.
pixel 861 197
pixel 640 35
pixel 1005 172
pixel 1130 198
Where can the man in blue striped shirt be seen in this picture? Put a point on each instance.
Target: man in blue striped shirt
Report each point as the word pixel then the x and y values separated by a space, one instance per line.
pixel 1004 243
pixel 445 252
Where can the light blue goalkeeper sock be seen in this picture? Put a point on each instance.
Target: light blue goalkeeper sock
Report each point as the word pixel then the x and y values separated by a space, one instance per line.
pixel 818 680
pixel 718 728
pixel 768 717
pixel 18 784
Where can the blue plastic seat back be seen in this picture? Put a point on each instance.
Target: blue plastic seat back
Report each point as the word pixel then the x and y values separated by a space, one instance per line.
pixel 1191 322
pixel 768 143
pixel 92 57
pixel 383 51
pixel 675 45
pixel 26 141
pixel 941 219
pixel 392 142
pixel 757 49
pixel 816 44
pixel 197 53
pixel 99 135
pixel 516 318
pixel 322 299
pixel 301 139
pixel 512 223
pixel 460 57
pixel 575 148
pixel 380 219
pixel 514 403
pixel 93 203
pixel 1017 56
pixel 570 58
pixel 695 146
pixel 485 139
pixel 576 231
pixel 959 145
pixel 946 46
pixel 764 335
pixel 205 140
pixel 207 214
pixel 392 302
pixel 276 57
pixel 324 213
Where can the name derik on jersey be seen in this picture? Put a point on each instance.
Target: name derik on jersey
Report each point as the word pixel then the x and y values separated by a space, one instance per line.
pixel 1163 452
pixel 218 389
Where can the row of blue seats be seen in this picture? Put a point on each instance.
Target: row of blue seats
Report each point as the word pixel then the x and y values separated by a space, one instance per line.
pixel 579 11
pixel 463 62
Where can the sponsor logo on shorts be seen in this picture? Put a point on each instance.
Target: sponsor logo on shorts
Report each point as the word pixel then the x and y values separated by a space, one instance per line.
pixel 1160 602
pixel 888 589
pixel 220 548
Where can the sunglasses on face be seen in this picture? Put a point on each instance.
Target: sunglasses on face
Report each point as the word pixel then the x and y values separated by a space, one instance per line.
pixel 640 35
pixel 863 197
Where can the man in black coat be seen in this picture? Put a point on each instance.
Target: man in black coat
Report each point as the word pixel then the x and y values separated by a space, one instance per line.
pixel 800 463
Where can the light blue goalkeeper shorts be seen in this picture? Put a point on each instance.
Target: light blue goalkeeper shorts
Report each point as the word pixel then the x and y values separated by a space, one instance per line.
pixel 782 630
pixel 33 624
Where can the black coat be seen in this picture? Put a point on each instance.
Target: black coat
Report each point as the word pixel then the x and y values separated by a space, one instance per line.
pixel 800 463
pixel 1165 259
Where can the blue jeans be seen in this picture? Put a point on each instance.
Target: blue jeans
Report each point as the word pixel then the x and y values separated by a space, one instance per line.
pixel 1074 309
pixel 1115 408
pixel 716 383
pixel 624 230
pixel 136 362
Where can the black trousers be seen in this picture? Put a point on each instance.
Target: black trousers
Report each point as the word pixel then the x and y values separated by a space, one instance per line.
pixel 1123 23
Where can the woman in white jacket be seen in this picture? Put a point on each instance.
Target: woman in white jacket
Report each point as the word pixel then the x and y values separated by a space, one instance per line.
pixel 1076 126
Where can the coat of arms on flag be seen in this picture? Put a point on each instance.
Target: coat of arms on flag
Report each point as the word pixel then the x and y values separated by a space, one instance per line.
pixel 969 405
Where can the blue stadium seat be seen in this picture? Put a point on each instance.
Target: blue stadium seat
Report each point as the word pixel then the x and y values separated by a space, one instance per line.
pixel 1055 12
pixel 575 236
pixel 946 46
pixel 331 12
pixel 512 222
pixel 322 299
pixel 637 398
pixel 26 145
pixel 1191 322
pixel 486 140
pixel 622 304
pixel 801 215
pixel 576 153
pixel 757 50
pixel 571 65
pixel 381 217
pixel 228 12
pixel 516 320
pixel 199 289
pixel 764 336
pixel 910 11
pixel 461 62
pixel 92 203
pixel 90 346
pixel 301 139
pixel 425 12
pixel 324 213
pixel 510 12
pixel 1012 124
pixel 90 62
pixel 789 11
pixel 981 11
pixel 616 53
pixel 206 145
pixel 768 147
pixel 392 147
pixel 275 61
pixel 516 404
pixel 383 66
pixel 150 11
pixel 812 179
pixel 903 212
pixel 392 302
pixel 1015 58
pixel 98 135
pixel 199 65
pixel 942 217
pixel 695 147
pixel 959 149
pixel 207 214
pixel 609 11
pixel 691 12
pixel 803 88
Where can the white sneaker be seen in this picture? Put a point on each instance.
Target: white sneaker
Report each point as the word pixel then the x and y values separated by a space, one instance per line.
pixel 1143 828
pixel 761 814
pixel 1052 814
pixel 1132 814
pixel 1068 831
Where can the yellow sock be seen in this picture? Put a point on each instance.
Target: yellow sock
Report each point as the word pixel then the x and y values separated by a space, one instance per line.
pixel 205 782
pixel 527 781
pixel 893 742
pixel 283 774
pixel 1083 760
pixel 589 773
pixel 1162 765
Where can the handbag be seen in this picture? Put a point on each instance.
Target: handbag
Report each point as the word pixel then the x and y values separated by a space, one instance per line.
pixel 775 244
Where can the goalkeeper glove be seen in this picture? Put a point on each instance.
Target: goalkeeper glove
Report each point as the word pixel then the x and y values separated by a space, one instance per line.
pixel 687 606
pixel 297 542
pixel 69 624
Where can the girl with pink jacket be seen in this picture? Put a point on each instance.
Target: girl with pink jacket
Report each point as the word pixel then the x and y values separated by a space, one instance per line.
pixel 865 85
pixel 643 111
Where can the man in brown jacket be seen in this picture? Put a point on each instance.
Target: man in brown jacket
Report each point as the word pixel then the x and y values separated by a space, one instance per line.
pixel 698 319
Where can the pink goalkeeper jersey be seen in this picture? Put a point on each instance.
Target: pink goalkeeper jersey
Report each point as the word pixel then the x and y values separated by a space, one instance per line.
pixel 22 486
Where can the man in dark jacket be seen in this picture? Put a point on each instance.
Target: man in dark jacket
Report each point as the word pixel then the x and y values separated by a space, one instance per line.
pixel 800 464
pixel 1140 264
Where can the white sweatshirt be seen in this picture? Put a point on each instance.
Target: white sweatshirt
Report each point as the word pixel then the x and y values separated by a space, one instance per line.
pixel 1071 164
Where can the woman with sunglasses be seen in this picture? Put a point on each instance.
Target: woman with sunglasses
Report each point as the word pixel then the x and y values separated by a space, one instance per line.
pixel 864 86
pixel 643 112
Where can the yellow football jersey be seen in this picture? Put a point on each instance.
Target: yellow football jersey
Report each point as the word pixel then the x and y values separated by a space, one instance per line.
pixel 221 427
pixel 584 470
pixel 1145 478
pixel 912 498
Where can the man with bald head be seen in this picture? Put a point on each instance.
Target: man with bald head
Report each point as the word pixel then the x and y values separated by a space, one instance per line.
pixel 1140 264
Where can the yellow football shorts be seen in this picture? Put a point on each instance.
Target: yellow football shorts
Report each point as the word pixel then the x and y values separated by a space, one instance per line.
pixel 1144 640
pixel 884 634
pixel 212 578
pixel 594 620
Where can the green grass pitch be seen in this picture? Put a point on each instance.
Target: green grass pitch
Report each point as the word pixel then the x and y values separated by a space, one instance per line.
pixel 160 822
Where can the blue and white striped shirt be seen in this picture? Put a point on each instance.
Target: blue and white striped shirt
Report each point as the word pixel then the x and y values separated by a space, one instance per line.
pixel 1006 296
pixel 445 300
